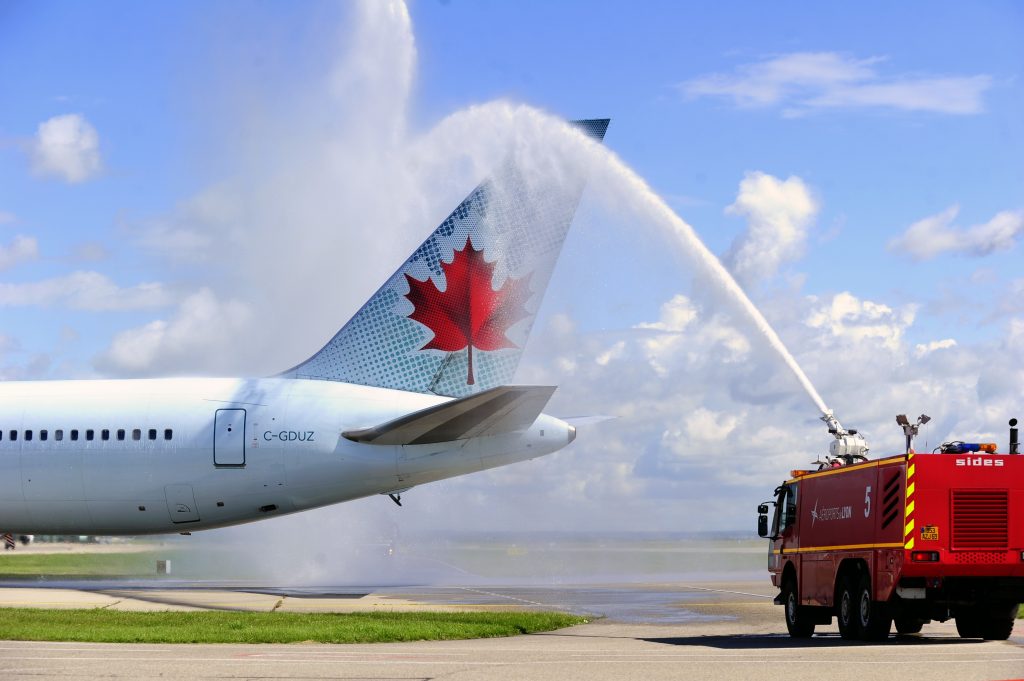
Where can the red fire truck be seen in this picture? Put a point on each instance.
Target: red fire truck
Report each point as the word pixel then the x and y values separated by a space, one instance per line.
pixel 906 539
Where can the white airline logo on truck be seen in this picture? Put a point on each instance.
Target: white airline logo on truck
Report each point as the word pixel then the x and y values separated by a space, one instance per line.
pixel 984 461
pixel 832 513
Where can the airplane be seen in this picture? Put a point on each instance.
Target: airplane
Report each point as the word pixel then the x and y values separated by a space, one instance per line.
pixel 413 389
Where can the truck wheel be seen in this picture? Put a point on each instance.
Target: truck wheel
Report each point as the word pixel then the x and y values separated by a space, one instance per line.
pixel 798 621
pixel 968 623
pixel 998 624
pixel 909 625
pixel 846 609
pixel 873 616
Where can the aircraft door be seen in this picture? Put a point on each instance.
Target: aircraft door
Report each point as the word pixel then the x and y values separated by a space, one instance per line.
pixel 229 437
pixel 181 503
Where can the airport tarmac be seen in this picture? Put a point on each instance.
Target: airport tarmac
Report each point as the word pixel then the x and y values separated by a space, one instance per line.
pixel 706 630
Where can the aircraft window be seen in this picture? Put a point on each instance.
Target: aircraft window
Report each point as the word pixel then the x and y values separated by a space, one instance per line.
pixel 58 435
pixel 14 435
pixel 1 434
pixel 105 434
pixel 74 435
pixel 28 436
pixel 168 434
pixel 136 434
pixel 43 435
pixel 120 434
pixel 152 433
pixel 89 434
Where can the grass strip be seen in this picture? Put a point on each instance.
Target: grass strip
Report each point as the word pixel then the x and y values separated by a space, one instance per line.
pixel 112 626
pixel 28 565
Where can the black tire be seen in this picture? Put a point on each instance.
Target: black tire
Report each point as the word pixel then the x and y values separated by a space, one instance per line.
pixel 846 609
pixel 908 625
pixel 798 620
pixel 968 623
pixel 873 618
pixel 998 624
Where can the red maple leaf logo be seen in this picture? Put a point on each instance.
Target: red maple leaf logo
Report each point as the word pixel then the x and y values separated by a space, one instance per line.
pixel 468 313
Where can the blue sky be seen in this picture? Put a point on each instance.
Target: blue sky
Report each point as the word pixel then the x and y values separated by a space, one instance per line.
pixel 195 130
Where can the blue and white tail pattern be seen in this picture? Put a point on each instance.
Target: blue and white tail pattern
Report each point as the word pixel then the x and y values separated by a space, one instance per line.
pixel 453 320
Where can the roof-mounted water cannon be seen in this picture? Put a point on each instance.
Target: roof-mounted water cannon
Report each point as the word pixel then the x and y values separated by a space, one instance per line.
pixel 910 429
pixel 849 445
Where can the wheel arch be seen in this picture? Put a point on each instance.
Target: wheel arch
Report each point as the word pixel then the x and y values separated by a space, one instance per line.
pixel 852 568
pixel 789 572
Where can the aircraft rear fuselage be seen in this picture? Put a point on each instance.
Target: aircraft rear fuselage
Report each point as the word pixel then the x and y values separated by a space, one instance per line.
pixel 175 455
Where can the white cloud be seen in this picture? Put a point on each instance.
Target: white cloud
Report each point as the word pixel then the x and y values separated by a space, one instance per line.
pixel 847 317
pixel 922 349
pixel 202 335
pixel 676 315
pixel 7 218
pixel 709 426
pixel 952 95
pixel 66 147
pixel 612 353
pixel 936 234
pixel 778 213
pixel 84 290
pixel 200 228
pixel 804 81
pixel 21 249
pixel 682 337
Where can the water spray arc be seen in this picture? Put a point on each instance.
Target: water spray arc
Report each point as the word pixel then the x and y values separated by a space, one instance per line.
pixel 536 134
pixel 695 248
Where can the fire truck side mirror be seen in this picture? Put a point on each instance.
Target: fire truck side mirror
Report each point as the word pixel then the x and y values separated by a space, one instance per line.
pixel 762 522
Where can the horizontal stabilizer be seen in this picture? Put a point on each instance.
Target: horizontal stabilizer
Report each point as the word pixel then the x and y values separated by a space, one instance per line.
pixel 587 421
pixel 504 409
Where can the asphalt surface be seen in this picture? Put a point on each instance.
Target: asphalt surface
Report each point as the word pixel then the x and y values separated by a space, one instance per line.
pixel 650 631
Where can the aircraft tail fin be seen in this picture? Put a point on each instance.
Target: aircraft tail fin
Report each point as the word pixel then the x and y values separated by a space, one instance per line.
pixel 453 320
pixel 500 410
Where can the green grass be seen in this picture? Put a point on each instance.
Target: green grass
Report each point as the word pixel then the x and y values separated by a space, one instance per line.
pixel 27 565
pixel 110 626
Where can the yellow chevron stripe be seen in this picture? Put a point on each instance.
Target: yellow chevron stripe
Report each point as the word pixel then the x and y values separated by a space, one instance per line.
pixel 908 529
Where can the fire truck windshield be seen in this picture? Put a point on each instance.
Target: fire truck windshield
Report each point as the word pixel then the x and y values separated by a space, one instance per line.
pixel 785 509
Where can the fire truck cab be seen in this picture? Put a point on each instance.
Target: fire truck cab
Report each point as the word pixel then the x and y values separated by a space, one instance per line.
pixel 907 539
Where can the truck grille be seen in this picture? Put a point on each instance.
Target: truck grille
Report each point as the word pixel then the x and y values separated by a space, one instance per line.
pixel 979 557
pixel 980 519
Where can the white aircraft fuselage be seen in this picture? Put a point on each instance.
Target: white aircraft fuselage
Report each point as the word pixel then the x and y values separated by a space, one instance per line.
pixel 146 456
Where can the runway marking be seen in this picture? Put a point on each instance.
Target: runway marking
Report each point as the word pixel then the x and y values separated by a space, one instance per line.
pixel 511 598
pixel 724 591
